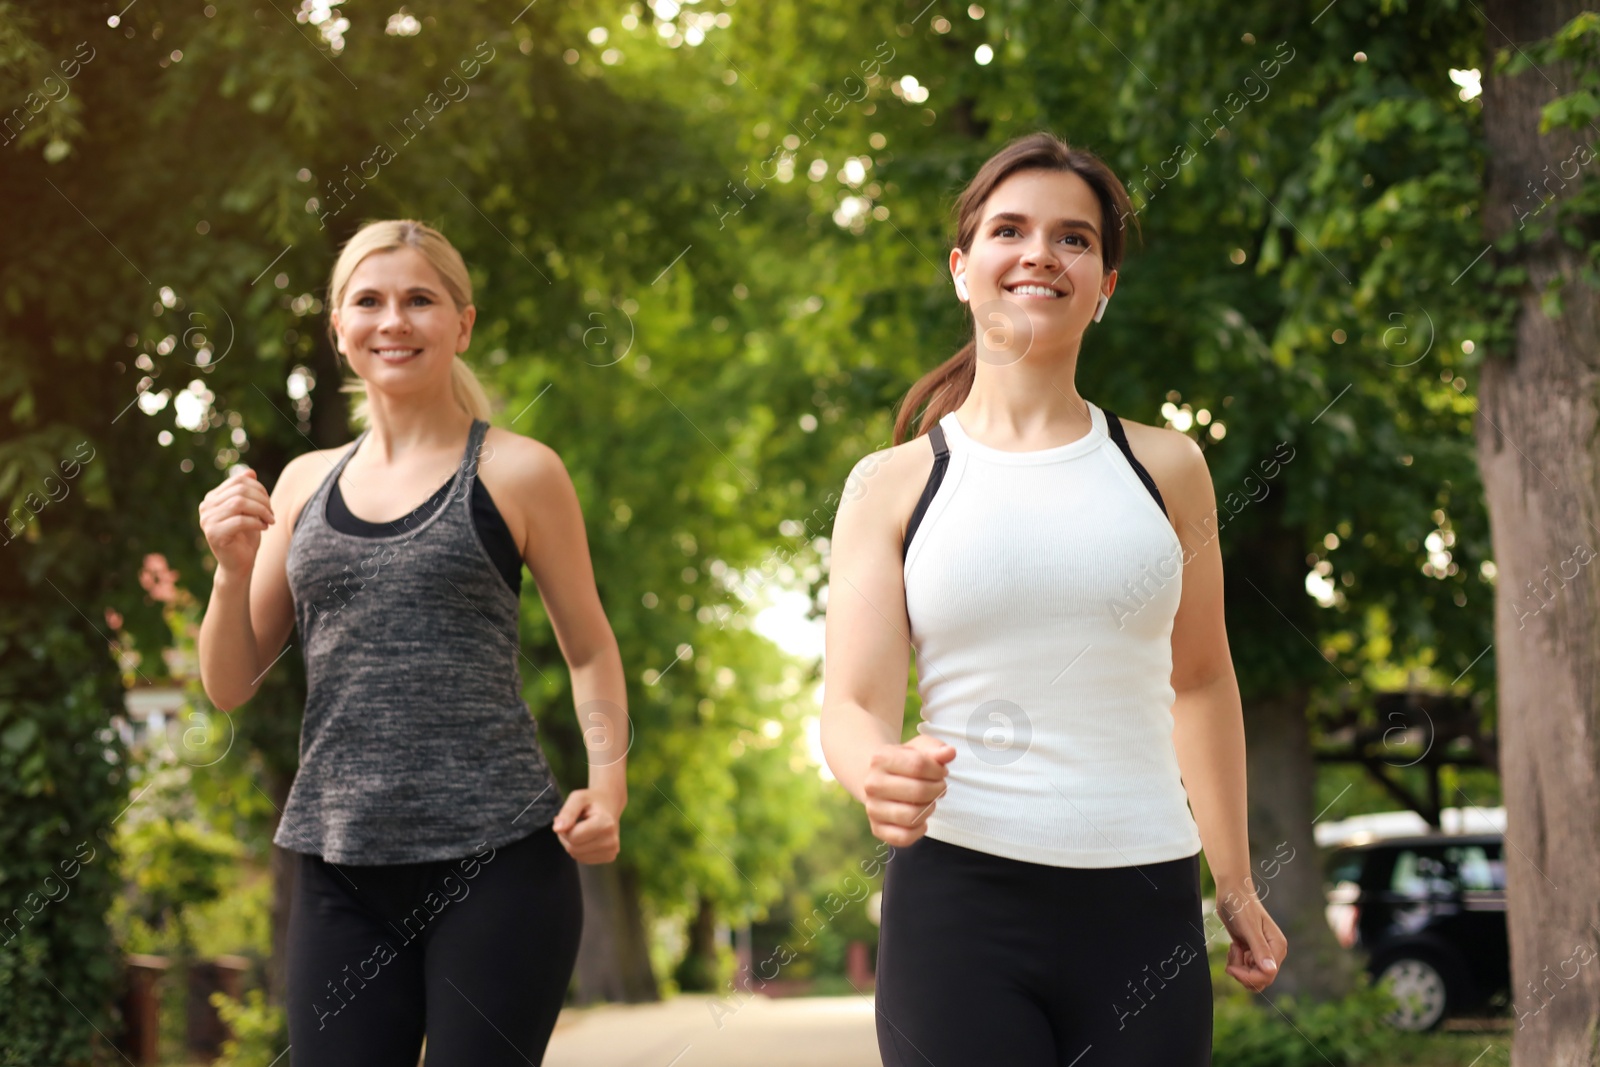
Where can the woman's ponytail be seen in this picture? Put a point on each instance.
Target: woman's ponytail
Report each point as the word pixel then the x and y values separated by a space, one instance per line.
pixel 468 391
pixel 937 393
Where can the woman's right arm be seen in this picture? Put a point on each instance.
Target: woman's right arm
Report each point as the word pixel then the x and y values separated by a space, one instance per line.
pixel 867 653
pixel 251 610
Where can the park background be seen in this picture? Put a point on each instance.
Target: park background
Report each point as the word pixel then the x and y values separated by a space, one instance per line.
pixel 708 244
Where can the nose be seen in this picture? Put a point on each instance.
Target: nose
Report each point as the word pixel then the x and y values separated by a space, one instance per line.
pixel 1041 253
pixel 394 319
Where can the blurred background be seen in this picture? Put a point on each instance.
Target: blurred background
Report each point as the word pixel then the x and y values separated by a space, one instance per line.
pixel 708 242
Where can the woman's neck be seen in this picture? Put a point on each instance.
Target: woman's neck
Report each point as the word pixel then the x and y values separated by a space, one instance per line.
pixel 1035 397
pixel 399 426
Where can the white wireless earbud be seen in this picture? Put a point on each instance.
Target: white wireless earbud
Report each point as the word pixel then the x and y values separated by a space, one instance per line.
pixel 961 287
pixel 1100 308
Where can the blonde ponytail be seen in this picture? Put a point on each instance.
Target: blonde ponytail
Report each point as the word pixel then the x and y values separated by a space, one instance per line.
pixel 468 391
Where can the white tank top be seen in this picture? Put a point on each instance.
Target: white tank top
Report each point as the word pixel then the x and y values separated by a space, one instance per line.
pixel 1041 588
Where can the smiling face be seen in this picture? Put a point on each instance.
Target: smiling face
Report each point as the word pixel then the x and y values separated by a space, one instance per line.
pixel 398 326
pixel 1038 246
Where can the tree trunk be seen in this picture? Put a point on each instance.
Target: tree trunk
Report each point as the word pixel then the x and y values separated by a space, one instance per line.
pixel 1264 588
pixel 1540 460
pixel 1281 777
pixel 283 868
pixel 698 971
pixel 270 723
pixel 614 954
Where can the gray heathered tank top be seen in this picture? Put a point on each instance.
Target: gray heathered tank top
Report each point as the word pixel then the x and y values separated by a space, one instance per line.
pixel 416 743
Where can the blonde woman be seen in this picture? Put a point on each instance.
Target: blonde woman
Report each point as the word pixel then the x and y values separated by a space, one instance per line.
pixel 437 890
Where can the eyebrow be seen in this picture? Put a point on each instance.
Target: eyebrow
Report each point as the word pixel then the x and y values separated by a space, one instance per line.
pixel 414 289
pixel 1012 216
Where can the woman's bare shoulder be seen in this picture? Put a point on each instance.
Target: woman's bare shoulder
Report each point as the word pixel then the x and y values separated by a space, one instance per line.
pixel 527 481
pixel 518 460
pixel 883 486
pixel 1176 462
pixel 301 476
pixel 1163 444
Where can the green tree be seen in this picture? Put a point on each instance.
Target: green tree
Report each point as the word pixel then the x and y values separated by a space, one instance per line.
pixel 1537 449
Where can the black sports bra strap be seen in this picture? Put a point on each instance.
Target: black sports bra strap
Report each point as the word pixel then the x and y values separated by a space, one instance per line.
pixel 1120 436
pixel 941 460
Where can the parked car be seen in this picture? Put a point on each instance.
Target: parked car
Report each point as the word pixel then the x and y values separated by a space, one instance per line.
pixel 1429 911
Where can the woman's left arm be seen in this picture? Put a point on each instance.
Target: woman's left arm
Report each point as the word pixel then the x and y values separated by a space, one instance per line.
pixel 550 532
pixel 1208 720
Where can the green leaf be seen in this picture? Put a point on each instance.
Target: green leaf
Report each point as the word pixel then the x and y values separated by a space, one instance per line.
pixel 20 734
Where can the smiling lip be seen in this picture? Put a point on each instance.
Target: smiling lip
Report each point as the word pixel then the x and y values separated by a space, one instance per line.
pixel 1012 289
pixel 396 355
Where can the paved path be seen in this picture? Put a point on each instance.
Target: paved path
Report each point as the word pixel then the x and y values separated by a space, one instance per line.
pixel 685 1032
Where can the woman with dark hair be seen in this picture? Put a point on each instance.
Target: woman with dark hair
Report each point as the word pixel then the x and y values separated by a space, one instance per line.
pixel 436 880
pixel 1081 735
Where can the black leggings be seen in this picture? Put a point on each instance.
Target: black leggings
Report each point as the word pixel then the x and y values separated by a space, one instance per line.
pixel 474 952
pixel 985 960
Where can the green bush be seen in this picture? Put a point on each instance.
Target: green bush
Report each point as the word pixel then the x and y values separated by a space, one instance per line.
pixel 170 867
pixel 239 922
pixel 1250 1032
pixel 62 783
pixel 260 1030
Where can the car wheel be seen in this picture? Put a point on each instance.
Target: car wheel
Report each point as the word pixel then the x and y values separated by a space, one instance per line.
pixel 1421 992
